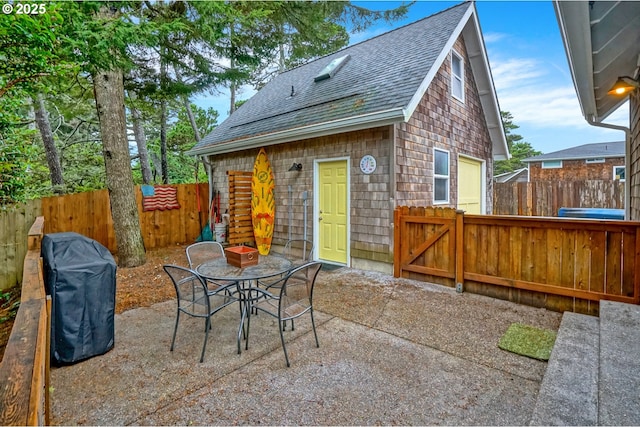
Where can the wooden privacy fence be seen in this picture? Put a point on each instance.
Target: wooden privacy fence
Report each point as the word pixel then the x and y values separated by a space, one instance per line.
pixel 14 228
pixel 561 264
pixel 90 215
pixel 24 370
pixel 545 198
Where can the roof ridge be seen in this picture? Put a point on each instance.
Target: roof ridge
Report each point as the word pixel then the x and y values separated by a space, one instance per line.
pixel 378 36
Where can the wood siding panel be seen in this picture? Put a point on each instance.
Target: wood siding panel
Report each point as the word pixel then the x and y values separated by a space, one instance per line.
pixel 441 121
pixel 634 155
pixel 371 202
pixel 575 170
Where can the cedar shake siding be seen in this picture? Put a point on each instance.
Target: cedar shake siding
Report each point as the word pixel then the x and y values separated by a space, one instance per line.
pixel 575 170
pixel 441 121
pixel 634 123
pixel 371 206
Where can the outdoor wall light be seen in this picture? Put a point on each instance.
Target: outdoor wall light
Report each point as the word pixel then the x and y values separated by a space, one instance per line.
pixel 295 167
pixel 624 85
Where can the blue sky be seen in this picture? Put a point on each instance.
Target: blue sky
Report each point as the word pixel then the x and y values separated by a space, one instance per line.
pixel 529 68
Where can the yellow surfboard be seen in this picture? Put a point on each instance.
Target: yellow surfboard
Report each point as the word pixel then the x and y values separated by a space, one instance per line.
pixel 263 203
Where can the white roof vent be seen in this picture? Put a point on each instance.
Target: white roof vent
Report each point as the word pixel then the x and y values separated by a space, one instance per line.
pixel 331 68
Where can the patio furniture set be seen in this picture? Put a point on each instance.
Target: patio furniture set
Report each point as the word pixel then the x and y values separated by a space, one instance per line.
pixel 279 285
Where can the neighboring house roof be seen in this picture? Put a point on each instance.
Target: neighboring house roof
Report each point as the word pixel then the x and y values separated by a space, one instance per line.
pixel 513 176
pixel 602 41
pixel 600 150
pixel 381 82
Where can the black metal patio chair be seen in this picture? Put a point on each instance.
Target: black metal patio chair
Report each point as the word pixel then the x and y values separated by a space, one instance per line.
pixel 201 252
pixel 298 251
pixel 197 298
pixel 293 299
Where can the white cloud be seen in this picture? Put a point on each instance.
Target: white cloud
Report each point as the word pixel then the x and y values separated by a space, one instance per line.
pixel 532 92
pixel 544 107
pixel 493 37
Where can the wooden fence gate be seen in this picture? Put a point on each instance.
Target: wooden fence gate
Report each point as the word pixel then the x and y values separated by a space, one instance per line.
pixel 557 263
pixel 425 242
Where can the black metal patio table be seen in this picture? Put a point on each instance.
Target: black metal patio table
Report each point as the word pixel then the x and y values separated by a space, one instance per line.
pixel 246 279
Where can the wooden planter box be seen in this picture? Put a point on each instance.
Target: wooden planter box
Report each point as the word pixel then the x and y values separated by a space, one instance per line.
pixel 241 256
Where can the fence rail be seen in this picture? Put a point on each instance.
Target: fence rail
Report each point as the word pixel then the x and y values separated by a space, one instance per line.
pixel 561 264
pixel 24 370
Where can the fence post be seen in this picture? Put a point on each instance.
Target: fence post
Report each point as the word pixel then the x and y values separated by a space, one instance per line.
pixel 459 250
pixel 396 242
pixel 636 273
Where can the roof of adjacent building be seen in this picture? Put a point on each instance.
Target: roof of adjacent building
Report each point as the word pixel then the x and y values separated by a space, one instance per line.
pixel 513 176
pixel 380 82
pixel 599 150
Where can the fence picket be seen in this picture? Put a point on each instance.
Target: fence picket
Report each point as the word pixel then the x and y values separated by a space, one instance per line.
pixel 558 263
pixel 545 198
pixel 14 227
pixel 90 214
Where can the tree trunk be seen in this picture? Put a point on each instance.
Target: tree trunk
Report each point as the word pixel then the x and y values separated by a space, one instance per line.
pixel 281 56
pixel 232 65
pixel 109 94
pixel 187 107
pixel 232 98
pixel 53 160
pixel 157 169
pixel 192 119
pixel 163 142
pixel 163 118
pixel 141 142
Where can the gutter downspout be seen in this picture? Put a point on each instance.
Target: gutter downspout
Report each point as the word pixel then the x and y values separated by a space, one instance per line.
pixel 627 161
pixel 208 167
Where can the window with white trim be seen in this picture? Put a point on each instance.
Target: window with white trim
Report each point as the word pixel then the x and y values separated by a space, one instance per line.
pixel 599 160
pixel 618 173
pixel 552 164
pixel 440 176
pixel 457 76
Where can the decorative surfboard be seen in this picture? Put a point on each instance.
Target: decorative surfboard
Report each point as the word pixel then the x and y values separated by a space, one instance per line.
pixel 263 203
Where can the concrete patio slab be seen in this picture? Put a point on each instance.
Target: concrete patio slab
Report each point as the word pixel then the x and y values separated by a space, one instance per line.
pixel 392 351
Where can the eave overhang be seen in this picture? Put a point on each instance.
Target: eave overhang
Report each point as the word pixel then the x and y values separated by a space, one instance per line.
pixel 365 121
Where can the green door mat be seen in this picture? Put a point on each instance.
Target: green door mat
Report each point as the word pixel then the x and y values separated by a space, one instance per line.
pixel 528 341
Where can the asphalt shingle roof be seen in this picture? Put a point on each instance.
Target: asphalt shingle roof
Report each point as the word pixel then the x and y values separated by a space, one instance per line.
pixel 586 151
pixel 382 73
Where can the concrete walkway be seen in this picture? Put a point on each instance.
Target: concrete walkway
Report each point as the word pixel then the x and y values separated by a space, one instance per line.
pixel 592 377
pixel 392 351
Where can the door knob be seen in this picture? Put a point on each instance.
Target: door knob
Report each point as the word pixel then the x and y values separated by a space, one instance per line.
pixel 319 218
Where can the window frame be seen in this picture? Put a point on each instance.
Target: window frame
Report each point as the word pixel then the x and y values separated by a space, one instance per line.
pixel 455 79
pixel 557 164
pixel 594 161
pixel 614 173
pixel 440 177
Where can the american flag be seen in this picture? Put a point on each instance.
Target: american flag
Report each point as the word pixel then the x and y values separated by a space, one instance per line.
pixel 163 197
